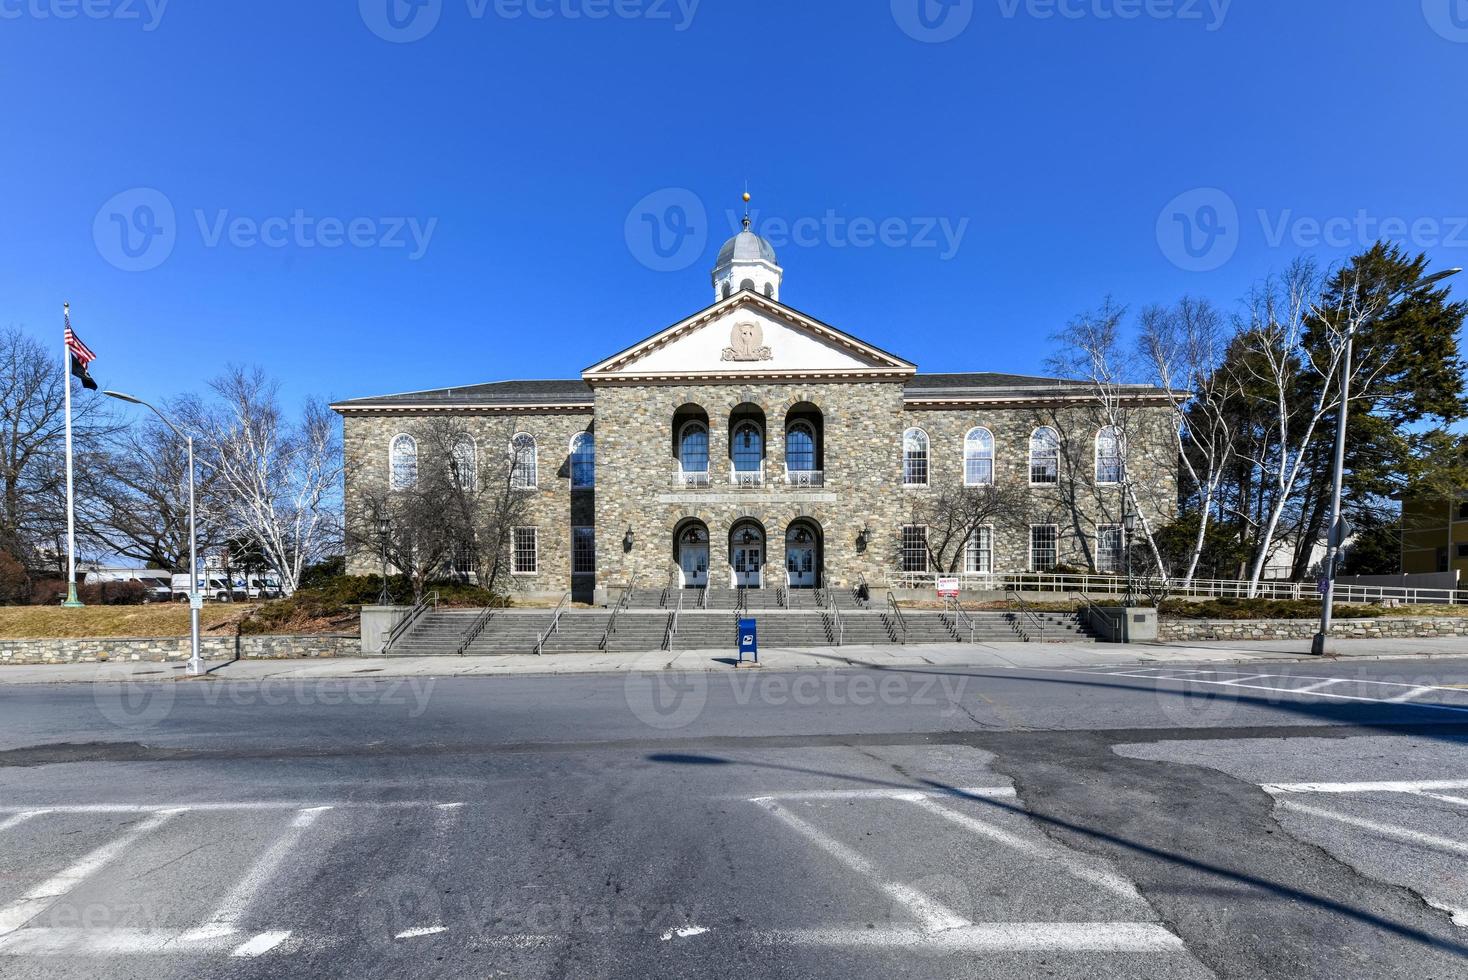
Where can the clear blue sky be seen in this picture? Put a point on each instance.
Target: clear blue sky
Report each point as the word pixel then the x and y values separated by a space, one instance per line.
pixel 525 143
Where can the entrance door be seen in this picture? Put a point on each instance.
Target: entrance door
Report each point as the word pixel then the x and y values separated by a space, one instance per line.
pixel 747 566
pixel 800 562
pixel 694 560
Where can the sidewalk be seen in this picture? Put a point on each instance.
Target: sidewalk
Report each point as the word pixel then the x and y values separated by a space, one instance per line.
pixel 979 656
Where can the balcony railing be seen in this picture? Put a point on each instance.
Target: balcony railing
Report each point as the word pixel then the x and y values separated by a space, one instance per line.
pixel 691 478
pixel 805 478
pixel 747 478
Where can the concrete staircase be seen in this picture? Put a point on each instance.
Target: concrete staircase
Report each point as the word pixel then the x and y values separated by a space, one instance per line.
pixel 641 628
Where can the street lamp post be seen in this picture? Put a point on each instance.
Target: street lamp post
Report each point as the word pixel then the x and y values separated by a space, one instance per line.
pixel 1320 645
pixel 384 527
pixel 1128 525
pixel 196 598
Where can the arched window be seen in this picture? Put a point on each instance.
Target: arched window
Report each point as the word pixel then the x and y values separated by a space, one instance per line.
pixel 800 448
pixel 466 464
pixel 583 461
pixel 1110 467
pixel 1045 455
pixel 526 472
pixel 747 284
pixel 728 289
pixel 403 462
pixel 915 458
pixel 749 448
pixel 770 290
pixel 693 448
pixel 978 457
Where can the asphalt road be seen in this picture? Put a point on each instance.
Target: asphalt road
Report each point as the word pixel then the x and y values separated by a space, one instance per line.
pixel 1286 821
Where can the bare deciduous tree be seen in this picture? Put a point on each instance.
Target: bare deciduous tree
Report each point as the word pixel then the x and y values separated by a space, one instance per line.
pixel 954 514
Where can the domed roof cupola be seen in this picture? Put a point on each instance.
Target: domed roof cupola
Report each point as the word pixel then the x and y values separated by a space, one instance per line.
pixel 747 261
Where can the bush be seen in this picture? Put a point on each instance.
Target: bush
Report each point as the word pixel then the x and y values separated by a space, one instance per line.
pixel 112 593
pixel 339 600
pixel 1260 609
pixel 15 584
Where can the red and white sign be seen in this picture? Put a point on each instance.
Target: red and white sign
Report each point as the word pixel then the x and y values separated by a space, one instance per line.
pixel 948 588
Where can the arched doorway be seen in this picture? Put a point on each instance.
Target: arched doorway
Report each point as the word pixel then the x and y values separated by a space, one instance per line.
pixel 747 555
pixel 691 552
pixel 803 555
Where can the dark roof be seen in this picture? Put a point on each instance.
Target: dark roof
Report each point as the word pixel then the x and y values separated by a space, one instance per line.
pixel 507 393
pixel 985 379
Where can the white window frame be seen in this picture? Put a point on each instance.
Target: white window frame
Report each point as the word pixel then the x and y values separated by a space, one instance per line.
pixel 515 550
pixel 1120 456
pixel 927 452
pixel 591 532
pixel 518 478
pixel 993 452
pixel 707 445
pixel 1101 531
pixel 815 452
pixel 471 482
pixel 1055 528
pixel 1031 460
pixel 903 549
pixel 392 478
pixel 970 551
pixel 764 445
pixel 577 438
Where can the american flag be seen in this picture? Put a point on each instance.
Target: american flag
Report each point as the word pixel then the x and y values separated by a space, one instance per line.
pixel 80 351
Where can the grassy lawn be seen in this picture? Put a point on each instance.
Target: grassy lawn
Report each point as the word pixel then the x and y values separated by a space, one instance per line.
pixel 159 619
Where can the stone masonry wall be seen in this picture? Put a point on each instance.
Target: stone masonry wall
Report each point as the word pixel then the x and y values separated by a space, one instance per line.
pixel 167 649
pixel 1389 627
pixel 553 507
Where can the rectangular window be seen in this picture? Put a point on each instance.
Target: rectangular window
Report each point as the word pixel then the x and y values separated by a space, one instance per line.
pixel 1108 548
pixel 978 471
pixel 978 553
pixel 583 551
pixel 465 560
pixel 914 548
pixel 1463 551
pixel 525 560
pixel 1108 469
pixel 1044 547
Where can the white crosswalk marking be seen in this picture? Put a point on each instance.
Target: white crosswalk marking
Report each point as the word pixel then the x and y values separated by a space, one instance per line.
pixel 35 901
pixel 20 818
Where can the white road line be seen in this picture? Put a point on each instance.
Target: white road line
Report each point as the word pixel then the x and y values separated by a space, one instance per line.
pixel 1394 786
pixel 261 944
pixel 887 794
pixel 421 931
pixel 1317 686
pixel 1414 692
pixel 1384 829
pixel 931 914
pixel 106 942
pixel 35 901
pixel 1334 697
pixel 1090 937
pixel 684 932
pixel 1044 852
pixel 20 818
pixel 1457 800
pixel 1238 681
pixel 214 807
pixel 231 910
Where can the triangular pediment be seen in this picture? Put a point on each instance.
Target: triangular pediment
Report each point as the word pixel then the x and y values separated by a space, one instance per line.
pixel 748 335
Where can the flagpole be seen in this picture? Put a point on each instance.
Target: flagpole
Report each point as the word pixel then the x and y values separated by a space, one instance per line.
pixel 72 602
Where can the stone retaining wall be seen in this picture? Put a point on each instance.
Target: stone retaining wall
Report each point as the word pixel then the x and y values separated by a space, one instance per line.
pixel 161 649
pixel 1392 627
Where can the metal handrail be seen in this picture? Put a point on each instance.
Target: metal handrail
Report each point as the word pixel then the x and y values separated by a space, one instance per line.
pixel 475 628
pixel 963 617
pixel 668 590
pixel 1025 612
pixel 406 623
pixel 840 624
pixel 622 603
pixel 672 630
pixel 555 624
pixel 703 599
pixel 1093 608
pixel 897 611
pixel 867 589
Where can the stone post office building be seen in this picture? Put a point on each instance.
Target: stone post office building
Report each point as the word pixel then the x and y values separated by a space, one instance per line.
pixel 753 446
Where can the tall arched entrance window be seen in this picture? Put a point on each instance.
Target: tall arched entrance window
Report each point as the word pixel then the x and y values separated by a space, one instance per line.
pixel 803 555
pixel 747 555
pixel 691 552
